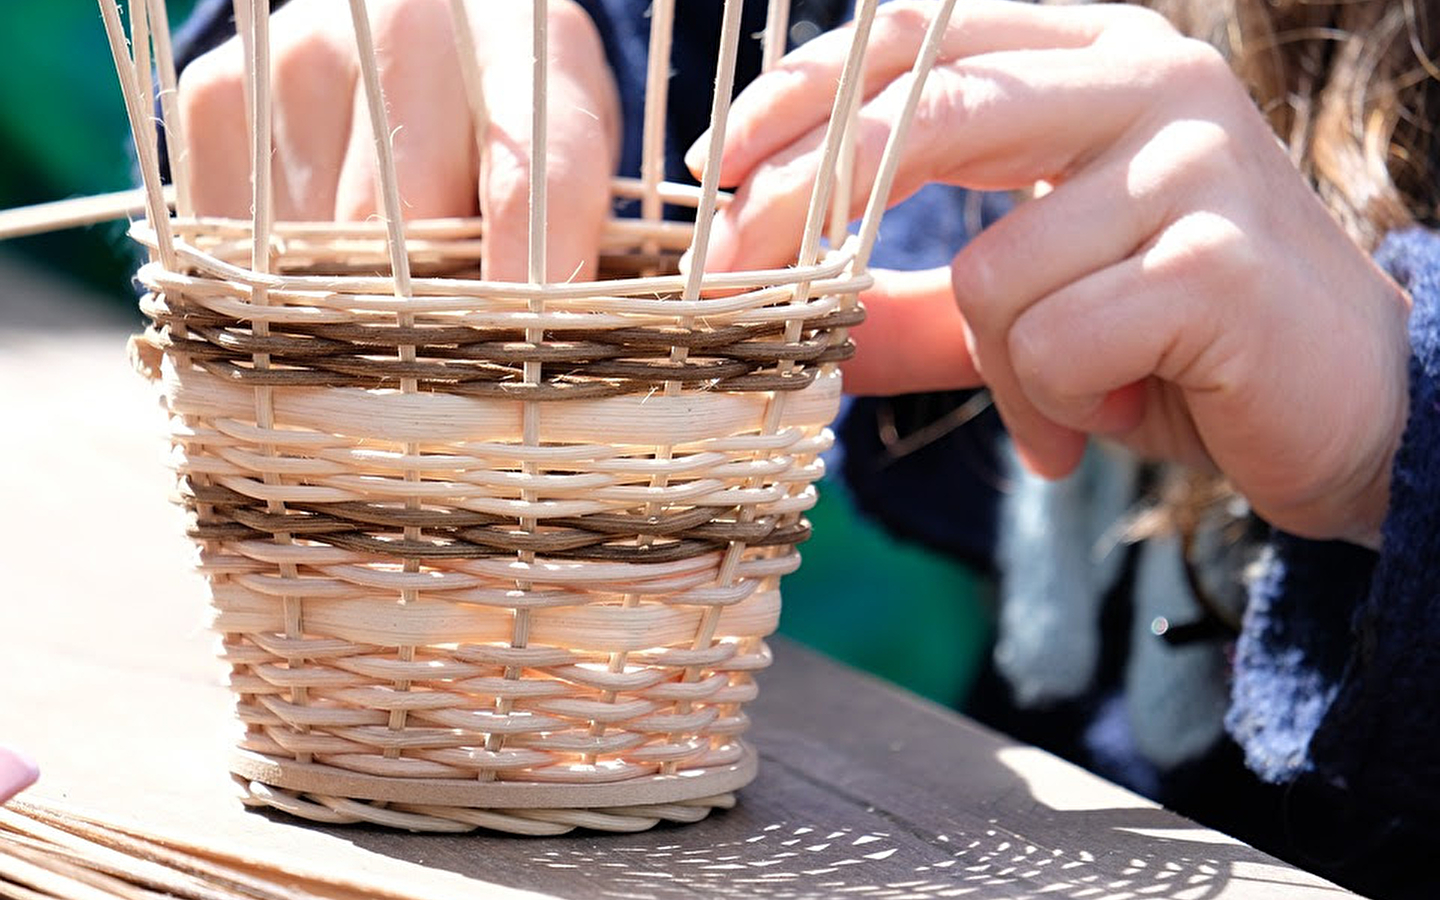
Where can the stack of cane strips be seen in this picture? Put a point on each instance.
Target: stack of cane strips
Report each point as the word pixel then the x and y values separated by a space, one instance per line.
pixel 491 554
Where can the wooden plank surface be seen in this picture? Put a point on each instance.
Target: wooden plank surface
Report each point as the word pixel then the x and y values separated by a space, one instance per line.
pixel 107 677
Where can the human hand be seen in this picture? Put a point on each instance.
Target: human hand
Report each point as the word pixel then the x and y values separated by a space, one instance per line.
pixel 16 773
pixel 1181 290
pixel 324 165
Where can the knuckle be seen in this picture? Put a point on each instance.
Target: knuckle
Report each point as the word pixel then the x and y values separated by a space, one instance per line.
pixel 507 184
pixel 303 57
pixel 568 19
pixel 1051 369
pixel 213 84
pixel 1186 154
pixel 901 20
pixel 1210 252
pixel 1197 63
pixel 1035 358
pixel 401 18
pixel 574 35
pixel 976 283
pixel 1133 21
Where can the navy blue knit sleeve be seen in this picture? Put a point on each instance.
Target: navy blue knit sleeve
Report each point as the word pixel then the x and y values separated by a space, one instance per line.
pixel 1337 674
pixel 1381 738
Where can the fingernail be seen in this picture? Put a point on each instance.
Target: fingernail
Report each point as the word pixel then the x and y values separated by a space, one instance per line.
pixel 17 772
pixel 695 156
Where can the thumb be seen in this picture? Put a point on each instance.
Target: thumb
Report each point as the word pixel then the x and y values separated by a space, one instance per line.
pixel 913 337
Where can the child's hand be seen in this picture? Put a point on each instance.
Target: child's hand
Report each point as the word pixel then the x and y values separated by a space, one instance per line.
pixel 324 164
pixel 1181 289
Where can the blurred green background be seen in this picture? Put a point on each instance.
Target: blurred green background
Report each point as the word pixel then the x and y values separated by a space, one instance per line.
pixel 63 132
pixel 863 597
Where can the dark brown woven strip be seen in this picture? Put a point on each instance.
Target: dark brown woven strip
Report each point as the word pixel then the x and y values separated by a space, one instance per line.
pixel 660 524
pixel 489 362
pixel 399 517
pixel 665 370
pixel 770 381
pixel 686 534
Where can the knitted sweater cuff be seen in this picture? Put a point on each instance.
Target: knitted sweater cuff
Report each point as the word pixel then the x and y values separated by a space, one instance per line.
pixel 1337 668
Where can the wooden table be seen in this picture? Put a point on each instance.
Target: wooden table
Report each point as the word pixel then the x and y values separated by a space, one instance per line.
pixel 107 677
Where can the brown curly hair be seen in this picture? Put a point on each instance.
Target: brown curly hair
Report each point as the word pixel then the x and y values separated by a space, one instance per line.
pixel 1350 86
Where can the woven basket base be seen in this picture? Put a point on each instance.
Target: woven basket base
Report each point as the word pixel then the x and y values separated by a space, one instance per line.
pixel 321 794
pixel 458 819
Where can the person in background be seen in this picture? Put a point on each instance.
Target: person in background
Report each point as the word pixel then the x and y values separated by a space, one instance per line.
pixel 1199 288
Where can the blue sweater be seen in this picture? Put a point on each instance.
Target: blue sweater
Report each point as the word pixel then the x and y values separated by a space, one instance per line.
pixel 1337 670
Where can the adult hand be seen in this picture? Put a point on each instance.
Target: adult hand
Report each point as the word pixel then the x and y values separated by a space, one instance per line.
pixel 16 773
pixel 1181 290
pixel 324 159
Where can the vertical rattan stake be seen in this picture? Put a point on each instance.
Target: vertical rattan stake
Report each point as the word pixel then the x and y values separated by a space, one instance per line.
pixel 657 97
pixel 777 33
pixel 845 173
pixel 652 173
pixel 851 80
pixel 257 27
pixel 389 184
pixel 470 74
pixel 537 264
pixel 890 160
pixel 176 142
pixel 704 218
pixel 137 109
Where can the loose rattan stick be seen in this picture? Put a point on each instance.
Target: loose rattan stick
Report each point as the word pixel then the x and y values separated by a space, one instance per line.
pixel 61 884
pixel 890 161
pixel 141 126
pixel 33 828
pixel 75 212
pixel 176 141
pixel 178 869
pixel 777 29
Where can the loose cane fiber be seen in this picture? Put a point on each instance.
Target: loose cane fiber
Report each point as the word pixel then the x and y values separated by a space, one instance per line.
pixel 489 554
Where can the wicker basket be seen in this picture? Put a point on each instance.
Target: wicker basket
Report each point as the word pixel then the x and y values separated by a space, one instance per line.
pixel 491 554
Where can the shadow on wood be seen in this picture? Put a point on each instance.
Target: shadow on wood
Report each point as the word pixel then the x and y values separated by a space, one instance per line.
pixel 865 792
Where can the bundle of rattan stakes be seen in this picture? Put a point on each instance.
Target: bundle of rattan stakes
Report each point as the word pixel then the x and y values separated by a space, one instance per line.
pixel 493 554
